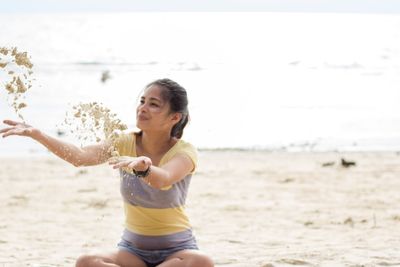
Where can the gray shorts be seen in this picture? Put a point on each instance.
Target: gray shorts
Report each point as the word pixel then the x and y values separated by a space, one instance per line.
pixel 153 257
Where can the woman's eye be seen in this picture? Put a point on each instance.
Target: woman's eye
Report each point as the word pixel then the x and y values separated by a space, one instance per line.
pixel 154 105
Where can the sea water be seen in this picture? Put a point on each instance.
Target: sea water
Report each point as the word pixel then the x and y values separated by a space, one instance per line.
pixel 255 80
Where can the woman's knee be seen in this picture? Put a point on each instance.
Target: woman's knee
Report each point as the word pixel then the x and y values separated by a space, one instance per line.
pixel 85 261
pixel 202 261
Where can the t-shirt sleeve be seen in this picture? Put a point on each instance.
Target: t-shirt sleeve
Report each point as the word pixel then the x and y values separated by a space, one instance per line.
pixel 190 151
pixel 124 144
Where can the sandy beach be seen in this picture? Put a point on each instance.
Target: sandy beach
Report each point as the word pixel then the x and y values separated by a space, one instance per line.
pixel 248 208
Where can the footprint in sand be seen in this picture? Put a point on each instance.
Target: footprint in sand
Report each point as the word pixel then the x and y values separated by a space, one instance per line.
pixel 385 263
pixel 294 262
pixel 98 204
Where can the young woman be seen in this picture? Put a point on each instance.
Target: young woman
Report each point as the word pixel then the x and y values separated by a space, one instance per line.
pixel 155 167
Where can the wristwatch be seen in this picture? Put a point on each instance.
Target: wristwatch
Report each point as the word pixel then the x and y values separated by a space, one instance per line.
pixel 142 174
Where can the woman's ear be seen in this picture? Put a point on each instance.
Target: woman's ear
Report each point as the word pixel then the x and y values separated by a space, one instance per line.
pixel 176 117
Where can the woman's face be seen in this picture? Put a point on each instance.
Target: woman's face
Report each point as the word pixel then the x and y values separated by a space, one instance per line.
pixel 153 113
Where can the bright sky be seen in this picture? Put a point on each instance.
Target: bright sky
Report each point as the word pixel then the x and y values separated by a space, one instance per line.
pixel 337 6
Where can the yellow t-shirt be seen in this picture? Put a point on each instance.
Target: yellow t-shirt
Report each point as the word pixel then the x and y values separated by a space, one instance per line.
pixel 150 211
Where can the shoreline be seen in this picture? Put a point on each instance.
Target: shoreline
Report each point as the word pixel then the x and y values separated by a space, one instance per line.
pixel 45 153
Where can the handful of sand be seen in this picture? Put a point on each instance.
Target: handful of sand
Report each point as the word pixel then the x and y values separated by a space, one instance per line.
pixel 15 72
pixel 92 122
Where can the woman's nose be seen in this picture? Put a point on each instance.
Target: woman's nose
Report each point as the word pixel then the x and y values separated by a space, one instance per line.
pixel 142 107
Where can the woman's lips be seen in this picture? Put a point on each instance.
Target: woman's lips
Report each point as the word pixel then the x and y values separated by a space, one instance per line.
pixel 142 117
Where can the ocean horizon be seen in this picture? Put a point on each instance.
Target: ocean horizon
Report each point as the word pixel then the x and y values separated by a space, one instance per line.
pixel 266 81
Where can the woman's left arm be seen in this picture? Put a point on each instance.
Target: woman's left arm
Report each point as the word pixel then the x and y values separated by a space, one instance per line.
pixel 158 177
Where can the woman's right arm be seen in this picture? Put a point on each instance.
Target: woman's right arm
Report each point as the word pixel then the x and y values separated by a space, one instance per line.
pixel 77 156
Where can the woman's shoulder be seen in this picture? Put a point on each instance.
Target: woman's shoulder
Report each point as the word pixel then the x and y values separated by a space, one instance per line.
pixel 182 147
pixel 125 143
pixel 185 145
pixel 189 150
pixel 125 136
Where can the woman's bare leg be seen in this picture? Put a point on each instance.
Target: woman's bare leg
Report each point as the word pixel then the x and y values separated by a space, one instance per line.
pixel 187 258
pixel 120 258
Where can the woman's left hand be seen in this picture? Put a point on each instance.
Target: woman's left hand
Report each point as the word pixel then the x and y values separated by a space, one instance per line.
pixel 138 164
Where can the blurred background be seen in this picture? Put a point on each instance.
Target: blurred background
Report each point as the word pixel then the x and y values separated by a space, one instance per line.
pixel 287 75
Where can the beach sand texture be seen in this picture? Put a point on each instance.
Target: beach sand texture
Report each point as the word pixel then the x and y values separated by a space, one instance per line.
pixel 248 208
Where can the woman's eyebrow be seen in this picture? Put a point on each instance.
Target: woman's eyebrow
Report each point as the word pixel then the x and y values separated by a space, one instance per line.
pixel 151 98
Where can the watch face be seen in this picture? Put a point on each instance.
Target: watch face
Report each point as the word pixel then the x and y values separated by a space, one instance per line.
pixel 141 174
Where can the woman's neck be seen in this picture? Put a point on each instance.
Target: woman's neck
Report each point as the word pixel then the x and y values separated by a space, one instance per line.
pixel 155 143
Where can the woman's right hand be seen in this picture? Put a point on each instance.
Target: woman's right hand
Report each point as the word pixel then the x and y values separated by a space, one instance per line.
pixel 17 128
pixel 78 156
pixel 137 163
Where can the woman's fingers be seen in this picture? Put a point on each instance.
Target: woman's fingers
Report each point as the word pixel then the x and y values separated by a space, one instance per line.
pixel 17 131
pixel 113 160
pixel 117 165
pixel 12 132
pixel 6 129
pixel 138 165
pixel 131 163
pixel 121 164
pixel 10 122
pixel 147 161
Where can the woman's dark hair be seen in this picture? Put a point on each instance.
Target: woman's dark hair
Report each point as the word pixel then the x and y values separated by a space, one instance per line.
pixel 176 96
